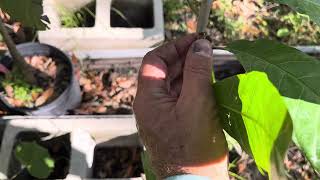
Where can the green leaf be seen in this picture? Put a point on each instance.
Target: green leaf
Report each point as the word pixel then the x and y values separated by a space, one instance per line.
pixel 147 166
pixel 297 77
pixel 283 32
pixel 309 7
pixel 253 112
pixel 36 159
pixel 26 11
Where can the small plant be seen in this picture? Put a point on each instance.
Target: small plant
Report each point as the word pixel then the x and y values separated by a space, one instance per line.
pixel 18 89
pixel 78 18
pixel 35 158
pixel 31 80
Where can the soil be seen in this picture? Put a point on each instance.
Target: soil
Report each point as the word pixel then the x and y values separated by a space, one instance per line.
pixel 117 162
pixel 296 165
pixel 125 162
pixel 59 149
pixel 22 95
pixel 107 92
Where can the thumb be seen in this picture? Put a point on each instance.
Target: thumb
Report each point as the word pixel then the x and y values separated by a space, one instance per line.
pixel 197 75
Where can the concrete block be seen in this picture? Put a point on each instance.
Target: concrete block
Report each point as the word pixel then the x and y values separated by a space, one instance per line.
pixel 86 133
pixel 102 35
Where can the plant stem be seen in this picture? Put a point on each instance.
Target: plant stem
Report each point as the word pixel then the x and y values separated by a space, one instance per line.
pixel 203 17
pixel 10 44
pixel 203 20
pixel 193 8
pixel 18 60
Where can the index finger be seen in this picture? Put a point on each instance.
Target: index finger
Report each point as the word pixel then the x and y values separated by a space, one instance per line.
pixel 176 49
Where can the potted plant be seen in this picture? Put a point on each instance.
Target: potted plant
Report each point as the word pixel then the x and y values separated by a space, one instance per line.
pixel 275 102
pixel 40 80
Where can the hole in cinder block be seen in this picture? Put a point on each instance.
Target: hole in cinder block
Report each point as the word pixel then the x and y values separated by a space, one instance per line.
pixel 117 162
pixel 84 17
pixel 59 148
pixel 132 13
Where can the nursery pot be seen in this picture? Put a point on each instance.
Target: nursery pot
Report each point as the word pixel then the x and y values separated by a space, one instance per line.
pixel 70 96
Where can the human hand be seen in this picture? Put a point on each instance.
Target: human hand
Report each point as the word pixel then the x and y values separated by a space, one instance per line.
pixel 176 112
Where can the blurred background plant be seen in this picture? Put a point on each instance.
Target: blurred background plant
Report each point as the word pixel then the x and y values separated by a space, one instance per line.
pixel 242 19
pixel 229 20
pixel 84 17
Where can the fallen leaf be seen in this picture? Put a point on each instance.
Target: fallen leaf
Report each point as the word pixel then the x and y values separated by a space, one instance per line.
pixel 126 82
pixel 87 88
pixel 17 103
pixel 101 109
pixel 9 91
pixel 35 95
pixel 44 97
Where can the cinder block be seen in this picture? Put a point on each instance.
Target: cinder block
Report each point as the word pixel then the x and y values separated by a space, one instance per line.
pixel 86 132
pixel 103 35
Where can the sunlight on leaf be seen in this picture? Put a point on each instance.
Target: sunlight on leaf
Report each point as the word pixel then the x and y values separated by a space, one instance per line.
pixel 306 140
pixel 253 112
pixel 297 77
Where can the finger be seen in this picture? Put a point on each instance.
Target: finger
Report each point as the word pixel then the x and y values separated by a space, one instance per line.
pixel 197 75
pixel 157 64
pixel 153 73
pixel 172 51
pixel 173 55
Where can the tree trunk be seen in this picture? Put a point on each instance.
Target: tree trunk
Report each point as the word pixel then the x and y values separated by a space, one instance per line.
pixel 19 63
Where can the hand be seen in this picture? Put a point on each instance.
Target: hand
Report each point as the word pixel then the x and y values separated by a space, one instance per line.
pixel 176 112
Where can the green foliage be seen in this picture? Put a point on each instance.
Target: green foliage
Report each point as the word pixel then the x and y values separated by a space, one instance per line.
pixel 71 19
pixel 35 158
pixel 22 90
pixel 296 28
pixel 283 32
pixel 279 98
pixel 172 15
pixel 236 19
pixel 147 166
pixel 26 11
pixel 309 7
pixel 235 24
pixel 246 113
pixel 297 77
pixel 171 9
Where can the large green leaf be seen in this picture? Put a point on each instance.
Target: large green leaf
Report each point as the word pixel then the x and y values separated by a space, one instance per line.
pixel 36 159
pixel 26 11
pixel 148 171
pixel 253 112
pixel 297 77
pixel 309 7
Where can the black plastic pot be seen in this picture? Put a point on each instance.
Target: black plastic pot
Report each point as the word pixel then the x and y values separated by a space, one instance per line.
pixel 70 96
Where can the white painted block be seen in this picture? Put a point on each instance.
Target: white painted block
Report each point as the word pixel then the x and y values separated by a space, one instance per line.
pixel 102 35
pixel 86 132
